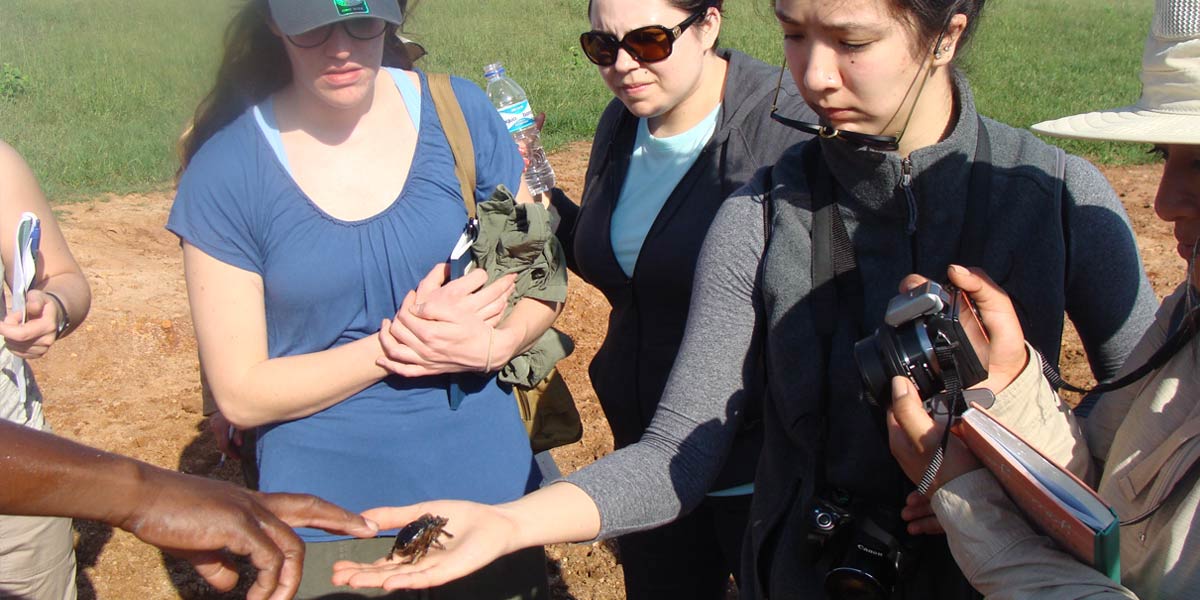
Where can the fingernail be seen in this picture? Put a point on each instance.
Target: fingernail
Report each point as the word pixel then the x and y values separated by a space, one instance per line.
pixel 959 270
pixel 899 390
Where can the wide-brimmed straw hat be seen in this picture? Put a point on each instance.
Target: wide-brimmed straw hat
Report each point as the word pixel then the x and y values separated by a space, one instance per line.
pixel 297 16
pixel 1169 110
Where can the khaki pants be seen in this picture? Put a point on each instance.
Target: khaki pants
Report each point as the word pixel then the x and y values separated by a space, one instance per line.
pixel 37 558
pixel 518 576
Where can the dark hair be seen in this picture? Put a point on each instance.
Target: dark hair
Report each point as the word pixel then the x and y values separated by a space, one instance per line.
pixel 688 6
pixel 254 66
pixel 929 19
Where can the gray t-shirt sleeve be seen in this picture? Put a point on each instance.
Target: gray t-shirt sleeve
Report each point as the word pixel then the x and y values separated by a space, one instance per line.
pixel 670 469
pixel 1108 296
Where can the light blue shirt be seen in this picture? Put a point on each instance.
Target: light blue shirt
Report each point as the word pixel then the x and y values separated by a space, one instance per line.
pixel 655 168
pixel 264 114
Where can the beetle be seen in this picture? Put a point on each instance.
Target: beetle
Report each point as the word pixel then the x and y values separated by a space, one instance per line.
pixel 414 540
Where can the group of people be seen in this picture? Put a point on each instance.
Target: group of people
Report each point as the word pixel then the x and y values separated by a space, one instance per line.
pixel 746 227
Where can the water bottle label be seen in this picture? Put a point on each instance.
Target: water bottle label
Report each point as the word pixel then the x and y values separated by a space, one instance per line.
pixel 517 116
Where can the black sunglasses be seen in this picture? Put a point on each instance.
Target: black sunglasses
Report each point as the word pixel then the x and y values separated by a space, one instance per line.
pixel 359 29
pixel 651 43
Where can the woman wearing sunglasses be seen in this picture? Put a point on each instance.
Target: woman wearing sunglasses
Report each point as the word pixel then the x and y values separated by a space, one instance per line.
pixel 317 207
pixel 904 177
pixel 688 126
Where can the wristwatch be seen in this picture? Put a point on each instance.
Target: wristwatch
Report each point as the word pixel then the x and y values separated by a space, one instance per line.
pixel 64 320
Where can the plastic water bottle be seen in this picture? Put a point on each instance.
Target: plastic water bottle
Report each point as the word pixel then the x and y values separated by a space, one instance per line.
pixel 510 100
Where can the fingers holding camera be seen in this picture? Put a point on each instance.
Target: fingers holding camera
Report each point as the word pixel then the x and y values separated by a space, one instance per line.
pixel 1007 355
pixel 914 436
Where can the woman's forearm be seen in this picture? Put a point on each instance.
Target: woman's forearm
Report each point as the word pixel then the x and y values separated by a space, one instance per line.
pixel 557 513
pixel 291 387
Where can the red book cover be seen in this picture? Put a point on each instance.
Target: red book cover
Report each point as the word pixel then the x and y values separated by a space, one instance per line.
pixel 1053 498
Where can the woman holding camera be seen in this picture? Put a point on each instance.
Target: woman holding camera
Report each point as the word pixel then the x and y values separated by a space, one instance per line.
pixel 688 126
pixel 905 177
pixel 317 208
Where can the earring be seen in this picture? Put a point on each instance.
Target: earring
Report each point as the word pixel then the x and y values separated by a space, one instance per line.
pixel 940 51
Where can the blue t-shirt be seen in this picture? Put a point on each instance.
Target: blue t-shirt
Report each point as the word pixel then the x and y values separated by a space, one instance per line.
pixel 328 282
pixel 656 166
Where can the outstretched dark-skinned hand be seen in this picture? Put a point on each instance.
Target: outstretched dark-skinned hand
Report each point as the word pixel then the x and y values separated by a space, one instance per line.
pixel 201 520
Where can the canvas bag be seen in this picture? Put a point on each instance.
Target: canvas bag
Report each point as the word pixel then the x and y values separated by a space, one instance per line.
pixel 547 407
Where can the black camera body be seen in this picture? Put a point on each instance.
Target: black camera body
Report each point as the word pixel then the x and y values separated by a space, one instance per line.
pixel 927 322
pixel 866 560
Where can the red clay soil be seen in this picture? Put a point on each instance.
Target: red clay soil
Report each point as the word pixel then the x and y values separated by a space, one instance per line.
pixel 128 381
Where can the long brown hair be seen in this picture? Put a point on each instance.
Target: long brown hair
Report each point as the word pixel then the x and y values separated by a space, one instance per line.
pixel 254 66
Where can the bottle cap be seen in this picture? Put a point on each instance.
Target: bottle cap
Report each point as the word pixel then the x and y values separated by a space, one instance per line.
pixel 493 70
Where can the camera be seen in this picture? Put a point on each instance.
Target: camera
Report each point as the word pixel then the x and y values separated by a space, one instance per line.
pixel 929 332
pixel 870 566
pixel 865 560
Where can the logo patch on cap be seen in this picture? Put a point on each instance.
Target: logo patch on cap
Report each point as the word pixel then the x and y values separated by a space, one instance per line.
pixel 350 7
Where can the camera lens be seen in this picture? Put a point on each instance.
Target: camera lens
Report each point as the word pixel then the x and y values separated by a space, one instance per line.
pixel 906 351
pixel 866 571
pixel 847 583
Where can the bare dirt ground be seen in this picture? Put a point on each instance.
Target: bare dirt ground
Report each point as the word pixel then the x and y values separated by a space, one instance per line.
pixel 128 381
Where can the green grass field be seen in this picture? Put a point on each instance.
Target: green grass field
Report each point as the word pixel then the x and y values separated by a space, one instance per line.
pixel 107 85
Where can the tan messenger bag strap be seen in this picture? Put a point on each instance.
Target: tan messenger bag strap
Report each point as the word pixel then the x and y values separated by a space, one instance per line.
pixel 457 133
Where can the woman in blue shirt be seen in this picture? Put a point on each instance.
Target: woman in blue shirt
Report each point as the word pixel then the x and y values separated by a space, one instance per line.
pixel 317 207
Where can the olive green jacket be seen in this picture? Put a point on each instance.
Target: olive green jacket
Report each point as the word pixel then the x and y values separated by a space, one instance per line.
pixel 517 238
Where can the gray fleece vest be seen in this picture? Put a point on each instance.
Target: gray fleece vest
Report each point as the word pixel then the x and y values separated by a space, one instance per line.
pixel 818 430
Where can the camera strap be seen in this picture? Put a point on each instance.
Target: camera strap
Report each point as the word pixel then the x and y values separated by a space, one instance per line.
pixel 1189 325
pixel 955 404
pixel 834 268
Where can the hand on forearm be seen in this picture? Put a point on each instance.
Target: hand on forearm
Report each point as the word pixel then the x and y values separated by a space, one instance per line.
pixel 456 327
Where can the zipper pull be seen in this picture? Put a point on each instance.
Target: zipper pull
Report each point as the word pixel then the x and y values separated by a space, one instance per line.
pixel 906 185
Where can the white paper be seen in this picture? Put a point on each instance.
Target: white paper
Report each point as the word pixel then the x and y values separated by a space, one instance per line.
pixel 25 251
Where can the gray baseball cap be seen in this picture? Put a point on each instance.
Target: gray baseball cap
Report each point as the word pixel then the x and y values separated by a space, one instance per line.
pixel 297 16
